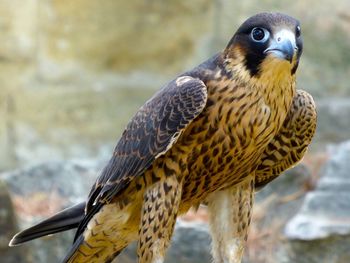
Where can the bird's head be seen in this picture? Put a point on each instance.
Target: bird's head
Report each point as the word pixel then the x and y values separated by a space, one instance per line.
pixel 266 44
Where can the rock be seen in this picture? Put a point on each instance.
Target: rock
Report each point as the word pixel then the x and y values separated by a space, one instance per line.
pixel 103 36
pixel 66 183
pixel 320 231
pixel 334 249
pixel 287 183
pixel 190 244
pixel 70 180
pixel 70 67
pixel 333 124
pixel 18 27
pixel 42 190
pixel 282 198
pixel 191 240
pixel 274 205
pixel 8 226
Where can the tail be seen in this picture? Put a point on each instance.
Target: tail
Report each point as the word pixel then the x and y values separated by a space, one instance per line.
pixel 62 221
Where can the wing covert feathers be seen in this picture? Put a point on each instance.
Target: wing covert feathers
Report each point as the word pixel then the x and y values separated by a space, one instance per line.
pixel 150 133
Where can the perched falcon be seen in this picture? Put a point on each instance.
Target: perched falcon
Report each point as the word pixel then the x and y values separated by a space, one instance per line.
pixel 212 135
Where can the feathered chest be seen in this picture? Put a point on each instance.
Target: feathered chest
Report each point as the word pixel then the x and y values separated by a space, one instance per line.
pixel 240 114
pixel 228 137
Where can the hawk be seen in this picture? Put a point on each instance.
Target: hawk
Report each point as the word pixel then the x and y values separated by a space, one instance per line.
pixel 212 135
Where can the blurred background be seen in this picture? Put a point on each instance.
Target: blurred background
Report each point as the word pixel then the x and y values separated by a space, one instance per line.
pixel 72 73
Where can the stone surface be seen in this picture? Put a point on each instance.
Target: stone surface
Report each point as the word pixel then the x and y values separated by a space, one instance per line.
pixel 326 210
pixel 79 70
pixel 191 240
pixel 66 179
pixel 42 190
pixel 333 122
pixel 334 249
pixel 119 35
pixel 274 205
pixel 320 231
pixel 190 244
pixel 8 226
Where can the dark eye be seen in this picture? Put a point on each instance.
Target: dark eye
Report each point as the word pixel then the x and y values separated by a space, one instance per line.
pixel 259 34
pixel 298 31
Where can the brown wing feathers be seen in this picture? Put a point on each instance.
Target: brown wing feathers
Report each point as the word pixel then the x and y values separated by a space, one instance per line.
pixel 149 134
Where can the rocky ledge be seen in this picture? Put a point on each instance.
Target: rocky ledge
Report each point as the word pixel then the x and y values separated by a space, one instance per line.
pixel 320 231
pixel 312 228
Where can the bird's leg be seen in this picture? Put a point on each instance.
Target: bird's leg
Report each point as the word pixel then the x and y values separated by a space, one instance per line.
pixel 230 214
pixel 159 212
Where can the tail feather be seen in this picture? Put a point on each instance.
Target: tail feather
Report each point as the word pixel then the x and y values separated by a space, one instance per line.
pixel 62 221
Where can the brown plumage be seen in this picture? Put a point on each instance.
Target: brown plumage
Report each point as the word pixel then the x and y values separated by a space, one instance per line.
pixel 213 135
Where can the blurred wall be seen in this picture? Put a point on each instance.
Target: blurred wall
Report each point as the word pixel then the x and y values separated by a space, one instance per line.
pixel 73 72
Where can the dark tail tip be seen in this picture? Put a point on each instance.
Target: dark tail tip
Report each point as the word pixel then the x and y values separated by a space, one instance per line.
pixel 62 221
pixel 14 241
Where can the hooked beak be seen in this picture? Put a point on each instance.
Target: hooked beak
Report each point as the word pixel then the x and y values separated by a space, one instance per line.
pixel 283 49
